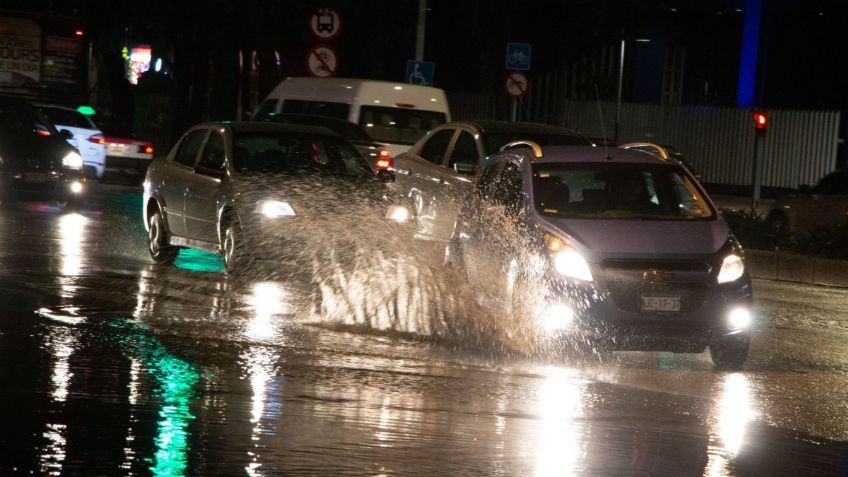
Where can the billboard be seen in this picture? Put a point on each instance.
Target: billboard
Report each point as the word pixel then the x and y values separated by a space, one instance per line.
pixel 20 52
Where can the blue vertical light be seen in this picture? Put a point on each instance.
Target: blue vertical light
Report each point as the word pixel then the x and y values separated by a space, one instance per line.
pixel 750 46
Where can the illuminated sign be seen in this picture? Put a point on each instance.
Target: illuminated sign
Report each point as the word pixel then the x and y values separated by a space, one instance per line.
pixel 138 62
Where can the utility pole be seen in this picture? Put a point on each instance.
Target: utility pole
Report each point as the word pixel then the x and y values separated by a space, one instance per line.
pixel 620 86
pixel 419 33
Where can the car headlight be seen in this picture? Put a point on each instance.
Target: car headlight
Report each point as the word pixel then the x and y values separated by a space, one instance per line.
pixel 567 261
pixel 72 160
pixel 275 208
pixel 731 268
pixel 398 213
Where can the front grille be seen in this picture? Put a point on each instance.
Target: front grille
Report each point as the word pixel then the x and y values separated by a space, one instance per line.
pixel 665 265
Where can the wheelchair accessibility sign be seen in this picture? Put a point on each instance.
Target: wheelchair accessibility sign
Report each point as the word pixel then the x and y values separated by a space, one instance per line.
pixel 518 56
pixel 420 72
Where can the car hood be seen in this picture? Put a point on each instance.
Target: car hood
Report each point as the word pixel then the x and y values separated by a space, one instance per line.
pixel 644 238
pixel 21 150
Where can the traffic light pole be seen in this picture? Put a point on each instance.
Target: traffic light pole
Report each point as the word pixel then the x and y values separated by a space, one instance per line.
pixel 755 171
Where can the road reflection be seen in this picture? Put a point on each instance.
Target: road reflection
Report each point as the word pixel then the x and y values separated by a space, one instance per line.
pixel 731 415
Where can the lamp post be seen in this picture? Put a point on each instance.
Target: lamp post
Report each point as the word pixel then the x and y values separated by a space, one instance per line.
pixel 621 83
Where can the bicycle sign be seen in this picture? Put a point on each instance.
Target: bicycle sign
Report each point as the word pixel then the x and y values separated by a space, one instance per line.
pixel 419 72
pixel 518 56
pixel 322 61
pixel 516 83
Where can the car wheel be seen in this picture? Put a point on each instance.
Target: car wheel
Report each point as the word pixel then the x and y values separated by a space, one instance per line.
pixel 232 247
pixel 160 251
pixel 730 352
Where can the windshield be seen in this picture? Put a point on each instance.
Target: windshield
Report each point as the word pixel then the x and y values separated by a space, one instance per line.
pixel 65 117
pixel 297 154
pixel 618 191
pixel 398 125
pixel 493 142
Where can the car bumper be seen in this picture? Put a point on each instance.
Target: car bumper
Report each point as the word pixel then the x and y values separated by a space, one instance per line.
pixel 616 317
pixel 47 186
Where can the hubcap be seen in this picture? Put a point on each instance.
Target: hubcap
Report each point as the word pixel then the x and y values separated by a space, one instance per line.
pixel 229 245
pixel 154 236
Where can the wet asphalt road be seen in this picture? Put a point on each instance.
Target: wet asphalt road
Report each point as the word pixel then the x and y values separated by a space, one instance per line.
pixel 111 366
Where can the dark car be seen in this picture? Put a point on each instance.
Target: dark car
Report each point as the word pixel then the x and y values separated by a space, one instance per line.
pixel 36 161
pixel 250 190
pixel 824 204
pixel 436 172
pixel 617 248
pixel 376 153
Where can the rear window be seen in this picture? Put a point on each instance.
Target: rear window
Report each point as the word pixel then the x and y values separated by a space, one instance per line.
pixel 66 117
pixel 492 142
pixel 398 125
pixel 344 128
pixel 297 154
pixel 618 191
pixel 320 108
pixel 17 119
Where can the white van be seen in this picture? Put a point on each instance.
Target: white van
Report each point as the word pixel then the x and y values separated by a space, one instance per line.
pixel 396 114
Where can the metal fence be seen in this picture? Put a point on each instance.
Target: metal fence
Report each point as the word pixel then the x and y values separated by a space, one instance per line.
pixel 799 148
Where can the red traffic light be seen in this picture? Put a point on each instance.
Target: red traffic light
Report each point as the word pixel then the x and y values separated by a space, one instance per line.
pixel 760 123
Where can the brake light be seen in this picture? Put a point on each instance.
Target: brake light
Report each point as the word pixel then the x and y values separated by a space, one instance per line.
pixel 97 139
pixel 404 105
pixel 42 132
pixel 146 149
pixel 384 160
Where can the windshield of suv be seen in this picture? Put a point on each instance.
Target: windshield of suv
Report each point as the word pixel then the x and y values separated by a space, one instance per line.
pixel 492 142
pixel 66 117
pixel 290 153
pixel 618 191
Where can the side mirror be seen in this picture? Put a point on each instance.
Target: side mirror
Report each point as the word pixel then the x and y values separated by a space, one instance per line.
pixel 463 168
pixel 732 217
pixel 386 176
pixel 65 134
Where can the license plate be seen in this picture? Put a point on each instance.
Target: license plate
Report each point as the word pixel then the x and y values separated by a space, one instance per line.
pixel 660 303
pixel 115 149
pixel 36 177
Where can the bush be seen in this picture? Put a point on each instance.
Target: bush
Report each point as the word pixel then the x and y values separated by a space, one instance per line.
pixel 826 241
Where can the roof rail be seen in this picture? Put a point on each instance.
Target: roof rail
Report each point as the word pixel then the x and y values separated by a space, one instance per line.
pixel 537 150
pixel 654 149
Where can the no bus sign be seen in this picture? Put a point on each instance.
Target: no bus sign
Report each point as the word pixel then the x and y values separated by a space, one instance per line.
pixel 325 24
pixel 516 83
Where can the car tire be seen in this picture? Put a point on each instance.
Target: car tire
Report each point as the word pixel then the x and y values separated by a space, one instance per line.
pixel 232 247
pixel 730 352
pixel 160 252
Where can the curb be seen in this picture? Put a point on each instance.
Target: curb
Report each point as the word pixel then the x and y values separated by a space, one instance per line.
pixel 793 267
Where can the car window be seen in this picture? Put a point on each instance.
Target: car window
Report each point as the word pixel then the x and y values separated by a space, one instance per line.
pixel 618 191
pixel 297 154
pixel 320 108
pixel 492 142
pixel 265 110
pixel 398 125
pixel 67 117
pixel 189 147
pixel 464 150
pixel 833 184
pixel 435 148
pixel 212 159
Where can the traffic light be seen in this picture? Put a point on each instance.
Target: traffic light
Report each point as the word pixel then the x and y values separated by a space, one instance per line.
pixel 760 123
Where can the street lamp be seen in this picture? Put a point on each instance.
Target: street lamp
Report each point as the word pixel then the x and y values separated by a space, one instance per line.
pixel 621 83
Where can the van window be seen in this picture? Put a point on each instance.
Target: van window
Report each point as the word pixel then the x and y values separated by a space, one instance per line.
pixel 320 108
pixel 398 125
pixel 265 110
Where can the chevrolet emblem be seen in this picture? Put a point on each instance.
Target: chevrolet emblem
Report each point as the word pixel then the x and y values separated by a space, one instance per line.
pixel 654 275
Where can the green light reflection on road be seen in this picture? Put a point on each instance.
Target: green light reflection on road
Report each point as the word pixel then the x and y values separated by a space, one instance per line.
pixel 175 381
pixel 199 261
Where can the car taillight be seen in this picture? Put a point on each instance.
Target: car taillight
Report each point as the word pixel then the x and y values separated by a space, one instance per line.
pixel 384 160
pixel 148 149
pixel 97 139
pixel 42 132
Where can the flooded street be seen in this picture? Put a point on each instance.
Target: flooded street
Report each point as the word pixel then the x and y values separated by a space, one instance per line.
pixel 110 365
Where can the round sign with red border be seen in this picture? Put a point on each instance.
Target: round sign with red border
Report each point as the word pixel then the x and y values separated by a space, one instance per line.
pixel 516 83
pixel 322 61
pixel 325 24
